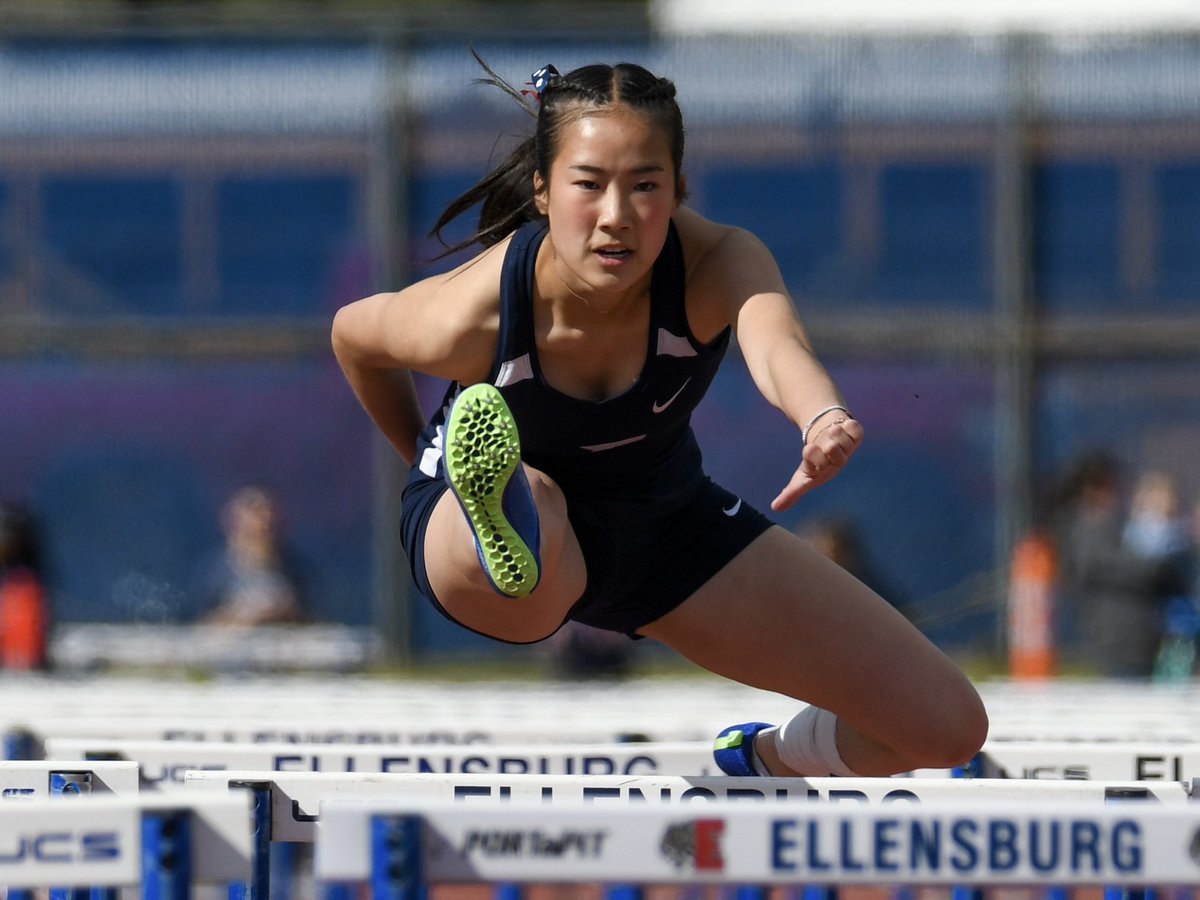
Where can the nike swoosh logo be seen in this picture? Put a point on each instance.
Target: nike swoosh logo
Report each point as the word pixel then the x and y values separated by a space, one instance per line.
pixel 733 510
pixel 656 407
pixel 596 448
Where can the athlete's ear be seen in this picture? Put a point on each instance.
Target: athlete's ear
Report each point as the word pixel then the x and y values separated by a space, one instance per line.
pixel 541 197
pixel 681 191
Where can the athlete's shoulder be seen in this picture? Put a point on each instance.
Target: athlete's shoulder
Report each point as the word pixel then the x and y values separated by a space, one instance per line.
pixel 479 274
pixel 454 317
pixel 707 243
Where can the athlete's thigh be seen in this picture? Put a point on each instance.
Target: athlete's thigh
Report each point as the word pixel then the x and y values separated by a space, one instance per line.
pixel 783 617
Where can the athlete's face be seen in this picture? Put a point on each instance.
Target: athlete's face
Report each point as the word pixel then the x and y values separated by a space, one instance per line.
pixel 609 200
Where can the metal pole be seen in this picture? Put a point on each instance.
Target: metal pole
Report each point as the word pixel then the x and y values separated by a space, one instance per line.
pixel 1014 309
pixel 389 227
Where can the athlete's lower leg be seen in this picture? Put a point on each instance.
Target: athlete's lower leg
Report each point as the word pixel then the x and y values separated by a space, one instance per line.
pixel 461 574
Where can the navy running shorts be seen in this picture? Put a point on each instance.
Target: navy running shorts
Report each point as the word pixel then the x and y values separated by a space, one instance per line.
pixel 643 558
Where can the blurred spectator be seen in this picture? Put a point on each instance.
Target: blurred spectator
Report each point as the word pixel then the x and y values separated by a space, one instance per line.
pixel 1155 526
pixel 1177 656
pixel 24 609
pixel 253 579
pixel 1116 593
pixel 840 540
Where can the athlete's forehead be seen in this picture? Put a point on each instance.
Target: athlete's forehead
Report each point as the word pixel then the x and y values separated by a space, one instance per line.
pixel 614 140
pixel 648 168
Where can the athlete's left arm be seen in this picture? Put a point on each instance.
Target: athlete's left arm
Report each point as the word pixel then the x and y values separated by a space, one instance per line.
pixel 747 284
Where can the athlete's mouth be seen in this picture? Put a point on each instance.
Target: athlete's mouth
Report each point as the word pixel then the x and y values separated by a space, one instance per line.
pixel 615 252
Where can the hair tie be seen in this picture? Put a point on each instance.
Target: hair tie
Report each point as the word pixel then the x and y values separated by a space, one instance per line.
pixel 540 80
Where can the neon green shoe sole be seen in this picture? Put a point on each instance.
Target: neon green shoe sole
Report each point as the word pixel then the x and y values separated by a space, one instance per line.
pixel 483 468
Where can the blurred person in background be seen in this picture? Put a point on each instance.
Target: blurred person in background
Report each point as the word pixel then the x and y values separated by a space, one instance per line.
pixel 1156 526
pixel 584 651
pixel 1157 529
pixel 24 606
pixel 254 579
pixel 1181 639
pixel 560 478
pixel 1115 592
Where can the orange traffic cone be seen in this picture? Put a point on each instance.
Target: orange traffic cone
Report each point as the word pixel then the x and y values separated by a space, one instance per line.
pixel 23 622
pixel 1034 573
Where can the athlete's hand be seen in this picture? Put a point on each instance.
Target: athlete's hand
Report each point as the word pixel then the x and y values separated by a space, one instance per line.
pixel 824 455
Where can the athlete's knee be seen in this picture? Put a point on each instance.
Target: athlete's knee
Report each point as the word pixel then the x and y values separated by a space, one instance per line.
pixel 551 503
pixel 955 728
pixel 973 730
pixel 562 559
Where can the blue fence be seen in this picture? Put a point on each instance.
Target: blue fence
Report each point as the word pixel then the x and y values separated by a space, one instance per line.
pixel 182 184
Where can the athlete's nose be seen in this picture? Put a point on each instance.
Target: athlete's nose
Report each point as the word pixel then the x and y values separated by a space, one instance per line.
pixel 614 211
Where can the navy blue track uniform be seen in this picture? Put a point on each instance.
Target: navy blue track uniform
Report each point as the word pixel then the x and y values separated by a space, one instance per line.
pixel 652 526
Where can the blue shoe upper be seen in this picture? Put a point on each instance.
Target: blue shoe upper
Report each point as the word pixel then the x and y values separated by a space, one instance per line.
pixel 733 750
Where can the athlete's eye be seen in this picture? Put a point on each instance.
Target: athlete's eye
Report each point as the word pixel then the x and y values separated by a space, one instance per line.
pixel 587 185
pixel 646 186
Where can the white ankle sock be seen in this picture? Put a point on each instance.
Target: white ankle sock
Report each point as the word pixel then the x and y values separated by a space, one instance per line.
pixel 756 762
pixel 807 743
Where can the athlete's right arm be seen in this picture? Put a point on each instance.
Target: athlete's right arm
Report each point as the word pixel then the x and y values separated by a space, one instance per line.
pixel 445 326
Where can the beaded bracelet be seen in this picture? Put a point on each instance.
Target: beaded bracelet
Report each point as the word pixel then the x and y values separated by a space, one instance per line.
pixel 813 421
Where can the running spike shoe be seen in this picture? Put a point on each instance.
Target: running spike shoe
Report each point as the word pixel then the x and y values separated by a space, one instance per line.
pixel 733 750
pixel 483 468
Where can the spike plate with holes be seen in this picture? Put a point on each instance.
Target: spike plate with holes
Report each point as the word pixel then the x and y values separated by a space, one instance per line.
pixel 483 468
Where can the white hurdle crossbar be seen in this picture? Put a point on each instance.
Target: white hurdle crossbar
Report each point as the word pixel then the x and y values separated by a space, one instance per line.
pixel 1138 760
pixel 26 739
pixel 289 806
pixel 38 779
pixel 688 708
pixel 294 799
pixel 401 846
pixel 164 763
pixel 162 844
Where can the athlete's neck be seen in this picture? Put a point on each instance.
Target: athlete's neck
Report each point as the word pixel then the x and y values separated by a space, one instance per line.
pixel 577 302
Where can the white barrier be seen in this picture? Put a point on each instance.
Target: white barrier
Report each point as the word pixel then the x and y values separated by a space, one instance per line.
pixel 36 730
pixel 37 779
pixel 401 843
pixel 1140 761
pixel 295 798
pixel 353 709
pixel 125 841
pixel 164 763
pixel 662 709
pixel 452 716
pixel 86 646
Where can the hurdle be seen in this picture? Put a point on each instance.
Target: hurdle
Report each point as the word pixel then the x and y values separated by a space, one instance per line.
pixel 293 800
pixel 288 805
pixel 1139 761
pixel 26 738
pixel 161 845
pixel 662 711
pixel 38 779
pixel 164 764
pixel 400 847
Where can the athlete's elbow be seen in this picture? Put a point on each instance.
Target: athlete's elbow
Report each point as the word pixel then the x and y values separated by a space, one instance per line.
pixel 337 335
pixel 344 333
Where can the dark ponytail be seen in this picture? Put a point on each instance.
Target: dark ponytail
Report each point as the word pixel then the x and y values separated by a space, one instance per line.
pixel 507 191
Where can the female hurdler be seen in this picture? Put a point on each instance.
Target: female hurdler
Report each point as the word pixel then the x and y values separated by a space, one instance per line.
pixel 561 479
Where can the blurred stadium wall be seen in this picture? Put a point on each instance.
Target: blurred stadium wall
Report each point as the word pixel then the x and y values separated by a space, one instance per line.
pixel 992 228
